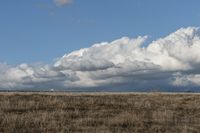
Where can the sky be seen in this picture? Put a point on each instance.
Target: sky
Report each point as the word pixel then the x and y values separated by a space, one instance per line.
pixel 122 44
pixel 41 30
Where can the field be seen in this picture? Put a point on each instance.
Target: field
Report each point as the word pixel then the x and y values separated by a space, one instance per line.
pixel 99 113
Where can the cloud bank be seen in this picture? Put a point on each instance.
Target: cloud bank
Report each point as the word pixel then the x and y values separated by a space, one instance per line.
pixel 169 62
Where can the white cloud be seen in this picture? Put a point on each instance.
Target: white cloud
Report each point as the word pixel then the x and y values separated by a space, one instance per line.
pixel 186 80
pixel 104 55
pixel 25 76
pixel 170 61
pixel 178 51
pixel 62 2
pixel 125 57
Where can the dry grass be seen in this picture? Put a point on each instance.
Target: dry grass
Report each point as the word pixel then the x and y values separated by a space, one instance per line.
pixel 100 113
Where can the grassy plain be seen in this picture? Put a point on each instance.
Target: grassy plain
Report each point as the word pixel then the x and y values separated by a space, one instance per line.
pixel 99 112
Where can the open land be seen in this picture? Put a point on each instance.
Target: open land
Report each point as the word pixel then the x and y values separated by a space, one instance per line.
pixel 99 112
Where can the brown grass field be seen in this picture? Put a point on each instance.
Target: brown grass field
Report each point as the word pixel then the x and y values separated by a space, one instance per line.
pixel 99 113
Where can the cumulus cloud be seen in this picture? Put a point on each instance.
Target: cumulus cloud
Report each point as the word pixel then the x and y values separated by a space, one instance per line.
pixel 128 58
pixel 62 2
pixel 172 61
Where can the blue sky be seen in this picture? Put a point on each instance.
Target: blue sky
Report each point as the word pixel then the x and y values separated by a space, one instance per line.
pixel 38 30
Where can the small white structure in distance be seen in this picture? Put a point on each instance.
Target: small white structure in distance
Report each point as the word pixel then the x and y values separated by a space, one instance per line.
pixel 52 90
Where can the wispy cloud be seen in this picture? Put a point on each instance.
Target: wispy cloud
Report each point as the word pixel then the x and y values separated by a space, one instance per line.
pixel 62 2
pixel 51 8
pixel 172 61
